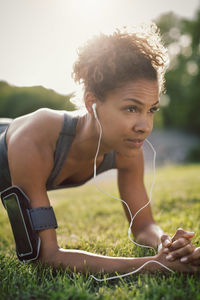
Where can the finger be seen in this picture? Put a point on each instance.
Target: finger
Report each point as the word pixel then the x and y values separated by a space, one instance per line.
pixel 179 243
pixel 188 235
pixel 182 233
pixel 160 247
pixel 165 240
pixel 182 252
pixel 194 256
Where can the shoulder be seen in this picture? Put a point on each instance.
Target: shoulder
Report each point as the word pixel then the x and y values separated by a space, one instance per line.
pixel 41 126
pixel 30 142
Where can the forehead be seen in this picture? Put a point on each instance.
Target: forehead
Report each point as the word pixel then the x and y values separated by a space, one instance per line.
pixel 146 91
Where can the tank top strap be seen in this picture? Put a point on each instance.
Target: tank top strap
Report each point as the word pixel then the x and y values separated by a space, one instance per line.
pixel 69 125
pixel 108 163
pixel 5 178
pixel 63 144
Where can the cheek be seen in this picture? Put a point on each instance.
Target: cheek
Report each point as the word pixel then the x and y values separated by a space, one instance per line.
pixel 151 121
pixel 115 123
pixel 115 130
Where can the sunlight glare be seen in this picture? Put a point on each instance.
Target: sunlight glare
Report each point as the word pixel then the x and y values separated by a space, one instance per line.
pixel 88 7
pixel 92 16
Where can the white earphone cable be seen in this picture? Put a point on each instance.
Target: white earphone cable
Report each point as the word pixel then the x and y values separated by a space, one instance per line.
pixel 131 217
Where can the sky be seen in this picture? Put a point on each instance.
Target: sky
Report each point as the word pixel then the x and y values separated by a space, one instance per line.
pixel 39 38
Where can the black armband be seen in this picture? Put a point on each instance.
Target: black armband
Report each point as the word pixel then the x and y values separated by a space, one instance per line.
pixel 26 221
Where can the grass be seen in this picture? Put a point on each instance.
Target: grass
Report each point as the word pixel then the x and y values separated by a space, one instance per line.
pixel 91 221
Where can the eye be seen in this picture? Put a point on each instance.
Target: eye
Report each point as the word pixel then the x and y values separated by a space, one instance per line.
pixel 154 109
pixel 131 109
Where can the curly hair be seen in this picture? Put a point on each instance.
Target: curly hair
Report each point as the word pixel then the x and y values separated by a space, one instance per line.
pixel 107 62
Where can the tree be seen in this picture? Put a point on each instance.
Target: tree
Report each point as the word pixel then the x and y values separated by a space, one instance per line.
pixel 182 38
pixel 17 101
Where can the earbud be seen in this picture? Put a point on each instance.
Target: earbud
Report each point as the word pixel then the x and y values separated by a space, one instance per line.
pixel 94 110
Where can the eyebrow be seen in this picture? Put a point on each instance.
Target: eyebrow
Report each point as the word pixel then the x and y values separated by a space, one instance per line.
pixel 139 102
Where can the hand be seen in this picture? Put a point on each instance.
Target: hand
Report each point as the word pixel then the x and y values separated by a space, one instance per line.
pixel 179 246
pixel 193 258
pixel 176 265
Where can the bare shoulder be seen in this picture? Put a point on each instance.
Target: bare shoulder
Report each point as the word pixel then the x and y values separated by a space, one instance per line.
pixel 130 164
pixel 41 127
pixel 30 141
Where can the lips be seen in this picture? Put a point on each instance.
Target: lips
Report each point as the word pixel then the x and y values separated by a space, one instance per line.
pixel 135 143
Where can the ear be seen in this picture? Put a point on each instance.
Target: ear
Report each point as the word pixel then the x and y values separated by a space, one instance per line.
pixel 89 99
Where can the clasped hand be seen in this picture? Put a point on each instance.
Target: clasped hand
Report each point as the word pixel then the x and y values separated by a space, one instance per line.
pixel 179 247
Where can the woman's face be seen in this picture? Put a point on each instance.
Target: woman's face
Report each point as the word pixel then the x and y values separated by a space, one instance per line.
pixel 126 116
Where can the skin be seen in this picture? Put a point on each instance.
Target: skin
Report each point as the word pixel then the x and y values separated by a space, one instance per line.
pixel 180 247
pixel 126 114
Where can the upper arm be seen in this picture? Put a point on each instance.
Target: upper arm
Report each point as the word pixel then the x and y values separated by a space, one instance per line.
pixel 31 145
pixel 30 164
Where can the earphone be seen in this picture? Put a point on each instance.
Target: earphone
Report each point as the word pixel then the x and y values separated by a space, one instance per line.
pixel 131 217
pixel 94 110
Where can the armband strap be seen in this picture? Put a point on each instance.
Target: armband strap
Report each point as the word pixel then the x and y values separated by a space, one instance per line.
pixel 43 218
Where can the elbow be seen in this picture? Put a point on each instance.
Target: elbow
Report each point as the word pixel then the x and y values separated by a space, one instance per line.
pixel 49 256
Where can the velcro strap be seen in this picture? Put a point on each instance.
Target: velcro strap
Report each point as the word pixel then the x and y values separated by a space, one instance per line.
pixel 43 218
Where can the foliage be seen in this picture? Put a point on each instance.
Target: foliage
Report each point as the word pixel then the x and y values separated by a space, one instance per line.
pixel 91 221
pixel 194 154
pixel 17 101
pixel 182 38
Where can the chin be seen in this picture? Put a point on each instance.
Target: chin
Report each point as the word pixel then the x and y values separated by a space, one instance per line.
pixel 129 153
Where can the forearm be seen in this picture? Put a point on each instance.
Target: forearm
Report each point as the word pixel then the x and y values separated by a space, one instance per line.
pixel 82 261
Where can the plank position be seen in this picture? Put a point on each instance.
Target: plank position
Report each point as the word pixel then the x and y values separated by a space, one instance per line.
pixel 123 75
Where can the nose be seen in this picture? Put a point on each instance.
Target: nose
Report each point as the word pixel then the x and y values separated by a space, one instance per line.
pixel 143 125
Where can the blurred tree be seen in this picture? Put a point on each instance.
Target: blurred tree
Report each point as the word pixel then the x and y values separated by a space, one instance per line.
pixel 193 67
pixel 17 101
pixel 182 37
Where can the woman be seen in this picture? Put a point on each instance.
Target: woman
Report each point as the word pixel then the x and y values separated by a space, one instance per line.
pixel 123 75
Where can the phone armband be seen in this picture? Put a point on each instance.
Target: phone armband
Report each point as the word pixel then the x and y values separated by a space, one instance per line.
pixel 26 221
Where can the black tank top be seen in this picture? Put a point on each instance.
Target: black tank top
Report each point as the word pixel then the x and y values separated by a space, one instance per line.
pixel 63 145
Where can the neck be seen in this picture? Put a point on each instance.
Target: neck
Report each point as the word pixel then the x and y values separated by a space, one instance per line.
pixel 86 139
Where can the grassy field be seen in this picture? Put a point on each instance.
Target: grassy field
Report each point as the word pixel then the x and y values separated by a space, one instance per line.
pixel 91 221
